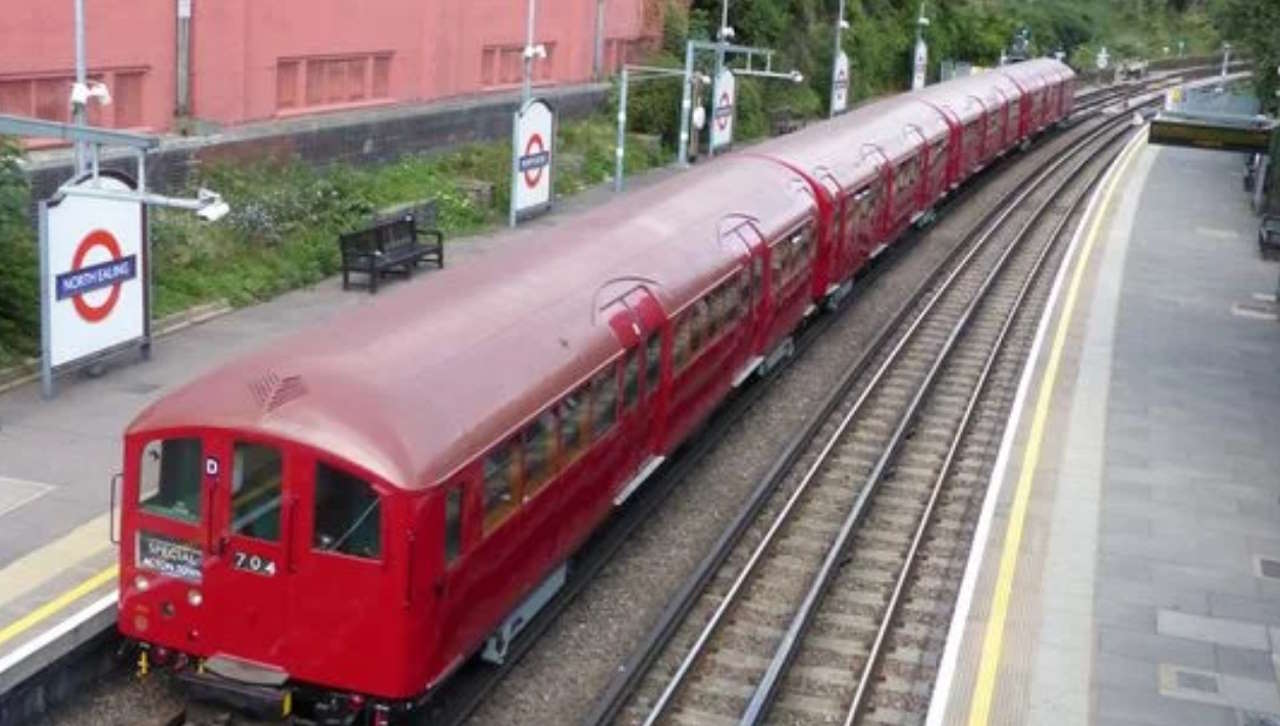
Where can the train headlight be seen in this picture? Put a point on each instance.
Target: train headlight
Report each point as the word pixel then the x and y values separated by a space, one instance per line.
pixel 194 598
pixel 141 583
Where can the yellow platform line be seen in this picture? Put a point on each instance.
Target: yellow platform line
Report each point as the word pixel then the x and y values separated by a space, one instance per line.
pixel 33 618
pixel 993 639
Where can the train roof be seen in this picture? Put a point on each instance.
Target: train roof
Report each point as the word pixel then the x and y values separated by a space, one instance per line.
pixel 412 384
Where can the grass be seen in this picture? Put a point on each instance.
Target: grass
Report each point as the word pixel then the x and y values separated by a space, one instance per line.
pixel 282 231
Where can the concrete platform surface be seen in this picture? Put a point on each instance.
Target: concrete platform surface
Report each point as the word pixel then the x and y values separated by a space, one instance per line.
pixel 1127 569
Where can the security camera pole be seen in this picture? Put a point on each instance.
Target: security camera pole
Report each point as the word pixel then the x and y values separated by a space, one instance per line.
pixel 78 111
pixel 527 91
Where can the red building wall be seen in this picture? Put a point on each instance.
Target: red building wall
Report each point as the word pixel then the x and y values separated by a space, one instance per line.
pixel 253 60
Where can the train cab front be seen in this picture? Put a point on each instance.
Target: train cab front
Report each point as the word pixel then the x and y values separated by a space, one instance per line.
pixel 258 571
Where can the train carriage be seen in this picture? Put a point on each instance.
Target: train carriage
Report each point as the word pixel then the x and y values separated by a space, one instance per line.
pixel 398 477
pixel 356 509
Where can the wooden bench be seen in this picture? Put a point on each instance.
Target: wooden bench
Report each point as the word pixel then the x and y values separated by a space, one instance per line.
pixel 392 242
pixel 784 121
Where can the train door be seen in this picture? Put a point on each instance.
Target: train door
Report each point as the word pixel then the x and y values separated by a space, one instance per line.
pixel 349 546
pixel 252 503
pixel 877 201
pixel 637 322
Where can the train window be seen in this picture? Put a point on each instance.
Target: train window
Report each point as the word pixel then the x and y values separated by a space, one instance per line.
pixel 452 524
pixel 574 422
pixel 653 362
pixel 347 515
pixel 170 476
pixel 539 452
pixel 501 483
pixel 680 346
pixel 257 481
pixel 744 293
pixel 604 401
pixel 776 264
pixel 631 380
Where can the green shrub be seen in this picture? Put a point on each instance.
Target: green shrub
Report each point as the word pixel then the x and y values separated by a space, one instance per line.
pixel 19 283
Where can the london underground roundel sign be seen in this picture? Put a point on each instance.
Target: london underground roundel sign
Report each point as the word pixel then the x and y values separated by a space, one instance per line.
pixel 724 100
pixel 94 270
pixel 533 135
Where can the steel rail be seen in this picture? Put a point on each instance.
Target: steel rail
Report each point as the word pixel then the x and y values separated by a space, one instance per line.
pixel 764 692
pixel 1010 204
pixel 895 601
pixel 615 695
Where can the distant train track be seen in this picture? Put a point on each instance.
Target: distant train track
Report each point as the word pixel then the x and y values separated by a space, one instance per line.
pixel 793 615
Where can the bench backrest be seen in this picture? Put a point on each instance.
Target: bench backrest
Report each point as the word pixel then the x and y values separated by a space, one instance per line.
pixel 382 235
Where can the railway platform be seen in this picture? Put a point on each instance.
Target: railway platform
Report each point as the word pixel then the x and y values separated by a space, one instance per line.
pixel 1126 564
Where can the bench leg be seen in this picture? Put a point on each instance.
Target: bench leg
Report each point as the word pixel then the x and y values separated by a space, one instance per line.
pixel 346 281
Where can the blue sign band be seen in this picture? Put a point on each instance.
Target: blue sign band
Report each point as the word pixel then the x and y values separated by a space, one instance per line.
pixel 96 277
pixel 535 161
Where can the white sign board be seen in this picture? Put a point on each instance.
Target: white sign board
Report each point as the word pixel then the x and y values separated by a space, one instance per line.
pixel 533 136
pixel 1102 59
pixel 724 101
pixel 920 64
pixel 93 273
pixel 840 84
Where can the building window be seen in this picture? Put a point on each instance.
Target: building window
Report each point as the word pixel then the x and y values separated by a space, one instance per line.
pixel 287 84
pixel 331 81
pixel 503 65
pixel 126 99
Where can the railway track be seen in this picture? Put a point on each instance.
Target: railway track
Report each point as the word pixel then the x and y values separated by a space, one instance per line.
pixel 475 681
pixel 836 565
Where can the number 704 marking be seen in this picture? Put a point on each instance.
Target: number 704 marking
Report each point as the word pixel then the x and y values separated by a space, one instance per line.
pixel 256 564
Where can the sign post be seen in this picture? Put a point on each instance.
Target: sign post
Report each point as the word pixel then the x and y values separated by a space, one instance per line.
pixel 532 137
pixel 723 108
pixel 93 274
pixel 921 58
pixel 840 84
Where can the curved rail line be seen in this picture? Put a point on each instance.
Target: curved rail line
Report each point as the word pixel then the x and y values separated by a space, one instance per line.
pixel 623 688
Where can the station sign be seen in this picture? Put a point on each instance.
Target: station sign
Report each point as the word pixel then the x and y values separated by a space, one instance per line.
pixel 724 100
pixel 533 139
pixel 93 272
pixel 920 65
pixel 840 84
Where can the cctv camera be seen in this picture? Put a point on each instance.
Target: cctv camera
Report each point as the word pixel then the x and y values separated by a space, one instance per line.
pixel 81 93
pixel 844 24
pixel 797 77
pixel 535 51
pixel 212 208
pixel 726 32
pixel 101 92
pixel 214 211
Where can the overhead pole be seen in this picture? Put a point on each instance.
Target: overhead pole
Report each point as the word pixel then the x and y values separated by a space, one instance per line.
pixel 722 38
pixel 528 91
pixel 79 110
pixel 835 58
pixel 686 106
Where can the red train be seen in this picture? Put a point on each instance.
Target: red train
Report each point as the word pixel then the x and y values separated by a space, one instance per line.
pixel 354 511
